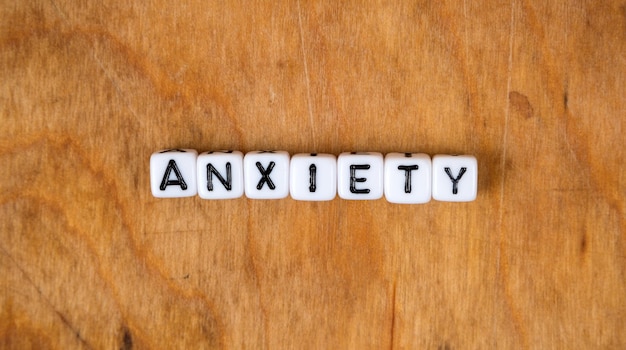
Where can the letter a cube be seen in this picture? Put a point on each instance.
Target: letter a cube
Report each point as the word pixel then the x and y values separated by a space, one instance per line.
pixel 173 173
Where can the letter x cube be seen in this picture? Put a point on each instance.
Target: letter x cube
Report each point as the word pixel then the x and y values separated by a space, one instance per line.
pixel 266 174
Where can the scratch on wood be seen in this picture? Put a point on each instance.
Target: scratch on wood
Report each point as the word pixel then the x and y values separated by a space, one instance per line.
pixel 393 315
pixel 502 262
pixel 501 247
pixel 106 72
pixel 61 316
pixel 469 91
pixel 572 152
pixel 58 10
pixel 256 275
pixel 306 74
pixel 114 82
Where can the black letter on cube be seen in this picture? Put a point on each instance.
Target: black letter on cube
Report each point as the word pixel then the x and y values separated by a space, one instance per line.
pixel 166 177
pixel 265 175
pixel 312 177
pixel 455 181
pixel 354 179
pixel 407 176
pixel 210 170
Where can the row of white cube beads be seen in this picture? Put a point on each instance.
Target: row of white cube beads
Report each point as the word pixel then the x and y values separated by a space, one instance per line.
pixel 400 177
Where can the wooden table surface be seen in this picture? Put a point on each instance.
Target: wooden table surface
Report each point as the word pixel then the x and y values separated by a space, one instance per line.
pixel 534 89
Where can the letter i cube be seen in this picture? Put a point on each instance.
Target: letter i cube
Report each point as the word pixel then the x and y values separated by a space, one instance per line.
pixel 313 177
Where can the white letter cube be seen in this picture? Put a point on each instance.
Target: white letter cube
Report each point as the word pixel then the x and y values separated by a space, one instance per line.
pixel 313 177
pixel 455 178
pixel 220 175
pixel 173 173
pixel 360 175
pixel 408 178
pixel 266 174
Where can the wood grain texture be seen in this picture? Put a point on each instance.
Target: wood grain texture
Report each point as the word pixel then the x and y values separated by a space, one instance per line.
pixel 533 89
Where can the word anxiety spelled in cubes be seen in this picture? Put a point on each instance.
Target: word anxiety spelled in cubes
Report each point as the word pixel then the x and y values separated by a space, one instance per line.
pixel 401 177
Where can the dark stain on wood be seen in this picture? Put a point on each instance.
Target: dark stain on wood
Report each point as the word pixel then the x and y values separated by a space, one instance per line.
pixel 127 339
pixel 519 103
